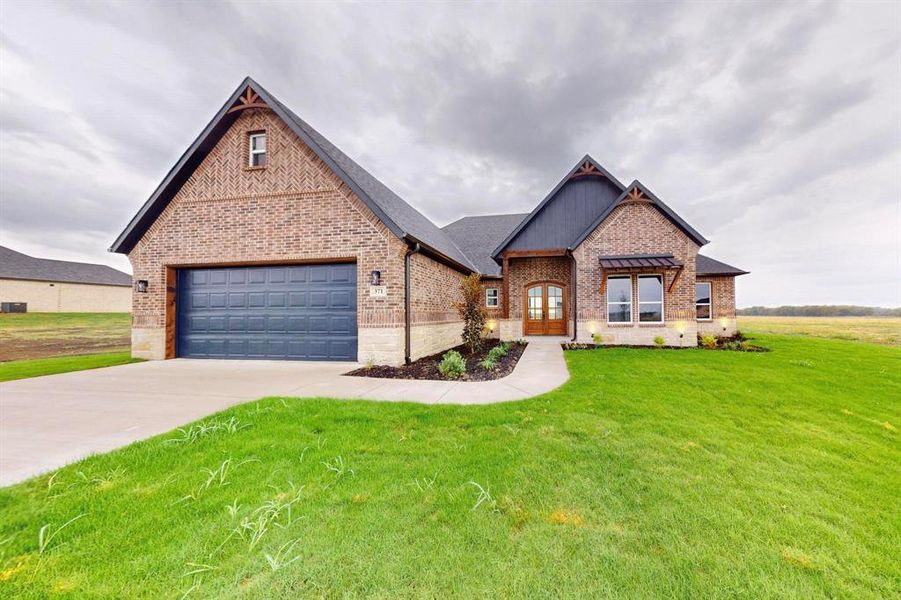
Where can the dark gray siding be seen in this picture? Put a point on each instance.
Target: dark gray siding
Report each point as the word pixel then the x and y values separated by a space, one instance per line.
pixel 575 205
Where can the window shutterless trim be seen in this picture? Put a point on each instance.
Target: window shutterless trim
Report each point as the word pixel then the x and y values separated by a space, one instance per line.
pixel 709 302
pixel 251 135
pixel 496 298
pixel 629 302
pixel 661 303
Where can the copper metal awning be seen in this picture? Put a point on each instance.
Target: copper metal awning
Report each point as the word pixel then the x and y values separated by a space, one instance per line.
pixel 640 261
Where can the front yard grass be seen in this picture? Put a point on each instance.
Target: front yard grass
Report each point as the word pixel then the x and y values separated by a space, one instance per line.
pixel 20 369
pixel 649 474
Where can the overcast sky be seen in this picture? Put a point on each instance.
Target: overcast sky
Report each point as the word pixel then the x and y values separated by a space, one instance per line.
pixel 774 129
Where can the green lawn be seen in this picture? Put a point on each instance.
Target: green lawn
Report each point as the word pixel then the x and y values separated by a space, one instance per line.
pixel 695 474
pixel 20 369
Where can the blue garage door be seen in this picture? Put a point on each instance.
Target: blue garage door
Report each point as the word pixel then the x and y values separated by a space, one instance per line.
pixel 290 312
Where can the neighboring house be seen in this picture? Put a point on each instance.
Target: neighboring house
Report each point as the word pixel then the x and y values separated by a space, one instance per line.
pixel 266 241
pixel 62 286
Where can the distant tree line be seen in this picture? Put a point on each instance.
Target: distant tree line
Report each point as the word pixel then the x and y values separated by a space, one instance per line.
pixel 819 310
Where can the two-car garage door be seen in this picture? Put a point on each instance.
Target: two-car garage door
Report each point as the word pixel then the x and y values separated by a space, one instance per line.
pixel 285 312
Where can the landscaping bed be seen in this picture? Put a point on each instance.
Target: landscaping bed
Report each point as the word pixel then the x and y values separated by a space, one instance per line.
pixel 735 343
pixel 427 367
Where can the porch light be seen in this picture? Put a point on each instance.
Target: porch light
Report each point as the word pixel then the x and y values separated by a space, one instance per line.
pixel 592 327
pixel 492 325
pixel 724 322
pixel 375 278
pixel 141 286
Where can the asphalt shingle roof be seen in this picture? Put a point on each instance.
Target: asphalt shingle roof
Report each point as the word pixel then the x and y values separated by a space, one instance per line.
pixel 15 265
pixel 478 236
pixel 710 266
pixel 410 220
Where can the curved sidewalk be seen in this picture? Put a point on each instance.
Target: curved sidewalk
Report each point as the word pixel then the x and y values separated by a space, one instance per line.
pixel 48 422
pixel 540 369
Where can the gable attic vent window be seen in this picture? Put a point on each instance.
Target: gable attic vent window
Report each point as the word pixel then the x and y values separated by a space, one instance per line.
pixel 257 147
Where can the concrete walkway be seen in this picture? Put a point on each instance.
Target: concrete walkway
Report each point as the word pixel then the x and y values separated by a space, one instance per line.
pixel 48 422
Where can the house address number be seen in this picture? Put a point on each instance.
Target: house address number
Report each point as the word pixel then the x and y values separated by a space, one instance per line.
pixel 378 291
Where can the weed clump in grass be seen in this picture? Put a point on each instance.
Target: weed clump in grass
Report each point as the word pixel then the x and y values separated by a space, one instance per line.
pixel 194 433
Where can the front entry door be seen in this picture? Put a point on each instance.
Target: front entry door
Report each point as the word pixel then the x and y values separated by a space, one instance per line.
pixel 545 312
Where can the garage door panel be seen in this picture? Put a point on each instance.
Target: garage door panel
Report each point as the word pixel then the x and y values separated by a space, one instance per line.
pixel 298 312
pixel 217 300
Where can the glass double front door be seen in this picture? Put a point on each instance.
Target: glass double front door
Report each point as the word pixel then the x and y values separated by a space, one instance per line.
pixel 545 312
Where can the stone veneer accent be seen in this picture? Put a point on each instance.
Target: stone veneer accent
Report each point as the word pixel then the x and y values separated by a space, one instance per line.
pixel 294 210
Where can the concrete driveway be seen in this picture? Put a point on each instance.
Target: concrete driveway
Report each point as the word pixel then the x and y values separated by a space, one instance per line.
pixel 48 422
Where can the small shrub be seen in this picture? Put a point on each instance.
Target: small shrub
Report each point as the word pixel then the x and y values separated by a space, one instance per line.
pixel 452 365
pixel 708 341
pixel 659 341
pixel 498 352
pixel 472 312
pixel 489 364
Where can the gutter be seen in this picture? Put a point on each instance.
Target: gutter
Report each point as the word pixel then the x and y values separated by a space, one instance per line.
pixel 414 248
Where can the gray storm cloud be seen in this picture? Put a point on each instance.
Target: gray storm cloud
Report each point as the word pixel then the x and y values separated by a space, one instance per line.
pixel 774 128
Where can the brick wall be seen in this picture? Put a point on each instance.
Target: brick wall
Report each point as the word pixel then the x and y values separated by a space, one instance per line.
pixel 722 298
pixel 637 229
pixel 296 209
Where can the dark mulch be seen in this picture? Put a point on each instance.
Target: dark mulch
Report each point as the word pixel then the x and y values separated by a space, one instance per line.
pixel 427 367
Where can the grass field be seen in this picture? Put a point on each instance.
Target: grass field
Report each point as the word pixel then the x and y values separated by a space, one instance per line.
pixel 21 369
pixel 42 335
pixel 649 474
pixel 883 330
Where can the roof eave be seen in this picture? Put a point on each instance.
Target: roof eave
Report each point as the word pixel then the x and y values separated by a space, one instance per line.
pixel 440 256
pixel 124 243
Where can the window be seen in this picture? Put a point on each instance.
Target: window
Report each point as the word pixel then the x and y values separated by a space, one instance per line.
pixel 554 303
pixel 536 301
pixel 257 145
pixel 491 298
pixel 702 301
pixel 650 298
pixel 619 299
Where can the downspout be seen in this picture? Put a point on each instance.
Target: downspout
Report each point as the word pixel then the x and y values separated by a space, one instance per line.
pixel 575 294
pixel 411 250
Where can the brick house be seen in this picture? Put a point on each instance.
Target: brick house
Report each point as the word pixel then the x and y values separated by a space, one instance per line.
pixel 266 241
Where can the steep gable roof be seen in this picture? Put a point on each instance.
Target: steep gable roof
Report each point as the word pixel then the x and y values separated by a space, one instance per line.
pixel 637 191
pixel 402 219
pixel 586 167
pixel 15 265
pixel 477 236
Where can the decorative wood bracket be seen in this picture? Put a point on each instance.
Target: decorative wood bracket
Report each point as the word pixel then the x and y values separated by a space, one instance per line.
pixel 672 283
pixel 636 196
pixel 586 169
pixel 250 99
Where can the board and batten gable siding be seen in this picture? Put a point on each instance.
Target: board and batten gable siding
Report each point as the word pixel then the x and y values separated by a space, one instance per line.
pixel 294 210
pixel 637 228
pixel 566 215
pixel 65 296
